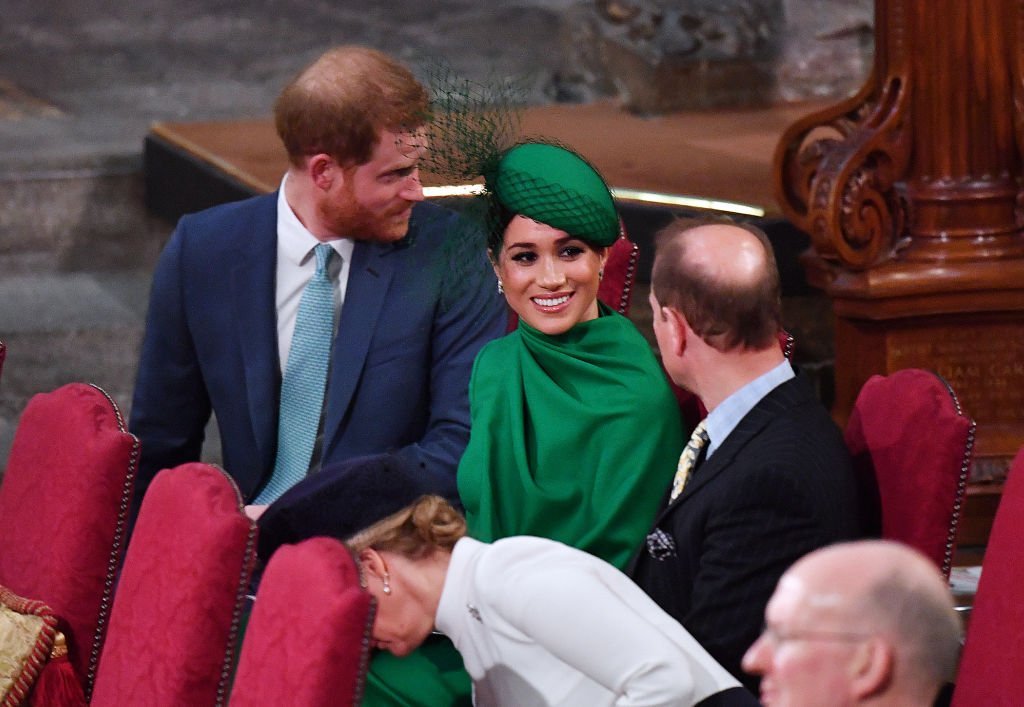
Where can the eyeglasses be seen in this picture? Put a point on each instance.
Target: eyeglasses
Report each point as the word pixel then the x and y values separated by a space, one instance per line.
pixel 777 636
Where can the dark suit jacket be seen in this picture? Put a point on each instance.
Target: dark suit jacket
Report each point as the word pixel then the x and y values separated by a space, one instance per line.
pixel 780 485
pixel 400 364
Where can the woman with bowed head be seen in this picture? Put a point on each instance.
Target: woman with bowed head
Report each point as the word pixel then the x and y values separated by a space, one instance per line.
pixel 536 622
pixel 574 431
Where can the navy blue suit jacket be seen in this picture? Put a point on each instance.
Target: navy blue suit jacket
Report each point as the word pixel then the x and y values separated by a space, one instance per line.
pixel 780 485
pixel 400 365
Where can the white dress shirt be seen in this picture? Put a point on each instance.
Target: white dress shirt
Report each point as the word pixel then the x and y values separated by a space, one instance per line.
pixel 540 623
pixel 296 264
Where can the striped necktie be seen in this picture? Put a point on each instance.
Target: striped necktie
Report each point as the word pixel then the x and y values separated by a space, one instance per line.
pixel 688 459
pixel 305 378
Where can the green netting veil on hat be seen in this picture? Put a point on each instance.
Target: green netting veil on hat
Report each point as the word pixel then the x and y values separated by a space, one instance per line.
pixel 555 186
pixel 474 135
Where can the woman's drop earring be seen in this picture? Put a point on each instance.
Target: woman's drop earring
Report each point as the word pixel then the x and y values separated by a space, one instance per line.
pixel 600 274
pixel 501 287
pixel 384 581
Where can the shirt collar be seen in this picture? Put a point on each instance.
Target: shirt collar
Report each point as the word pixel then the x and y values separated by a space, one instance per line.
pixel 294 241
pixel 723 419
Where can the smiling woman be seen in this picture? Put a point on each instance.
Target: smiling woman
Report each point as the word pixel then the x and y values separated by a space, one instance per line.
pixel 574 433
pixel 550 278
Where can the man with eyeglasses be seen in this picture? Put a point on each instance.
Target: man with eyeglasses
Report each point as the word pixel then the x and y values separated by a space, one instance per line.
pixel 868 622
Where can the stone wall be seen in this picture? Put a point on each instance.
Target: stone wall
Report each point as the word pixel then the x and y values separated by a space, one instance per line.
pixel 664 55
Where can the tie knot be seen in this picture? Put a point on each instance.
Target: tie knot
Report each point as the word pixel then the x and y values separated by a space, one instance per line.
pixel 700 434
pixel 323 253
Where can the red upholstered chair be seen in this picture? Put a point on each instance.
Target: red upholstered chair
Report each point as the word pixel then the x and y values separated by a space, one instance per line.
pixel 176 614
pixel 63 512
pixel 990 667
pixel 911 444
pixel 616 288
pixel 308 640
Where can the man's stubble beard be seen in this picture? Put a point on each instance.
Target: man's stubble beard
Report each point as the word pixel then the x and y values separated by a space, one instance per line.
pixel 353 220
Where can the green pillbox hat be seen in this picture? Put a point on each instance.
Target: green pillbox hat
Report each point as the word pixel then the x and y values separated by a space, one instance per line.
pixel 557 187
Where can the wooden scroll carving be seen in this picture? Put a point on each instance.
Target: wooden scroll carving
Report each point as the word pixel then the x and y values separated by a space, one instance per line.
pixel 837 169
pixel 913 194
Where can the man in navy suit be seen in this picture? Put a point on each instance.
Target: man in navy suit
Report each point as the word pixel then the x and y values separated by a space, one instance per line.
pixel 774 480
pixel 226 294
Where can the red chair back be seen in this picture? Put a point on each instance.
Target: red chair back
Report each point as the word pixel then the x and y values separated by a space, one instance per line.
pixel 911 445
pixel 616 288
pixel 176 614
pixel 308 640
pixel 990 667
pixel 63 512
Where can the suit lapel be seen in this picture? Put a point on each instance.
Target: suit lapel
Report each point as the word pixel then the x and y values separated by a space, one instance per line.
pixel 750 426
pixel 372 268
pixel 253 302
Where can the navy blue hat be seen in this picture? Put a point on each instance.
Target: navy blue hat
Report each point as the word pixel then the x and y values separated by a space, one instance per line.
pixel 341 500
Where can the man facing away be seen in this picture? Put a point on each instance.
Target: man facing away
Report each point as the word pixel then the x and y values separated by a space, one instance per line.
pixel 307 355
pixel 770 478
pixel 862 623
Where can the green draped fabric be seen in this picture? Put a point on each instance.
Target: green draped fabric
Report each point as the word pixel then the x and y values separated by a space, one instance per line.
pixel 573 437
pixel 431 676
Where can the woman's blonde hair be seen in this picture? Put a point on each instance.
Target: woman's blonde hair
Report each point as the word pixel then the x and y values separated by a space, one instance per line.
pixel 430 523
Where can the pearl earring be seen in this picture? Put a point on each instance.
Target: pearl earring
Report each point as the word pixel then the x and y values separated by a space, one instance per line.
pixel 501 287
pixel 384 581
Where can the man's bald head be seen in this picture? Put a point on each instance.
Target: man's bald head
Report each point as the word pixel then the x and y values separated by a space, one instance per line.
pixel 889 588
pixel 723 279
pixel 837 602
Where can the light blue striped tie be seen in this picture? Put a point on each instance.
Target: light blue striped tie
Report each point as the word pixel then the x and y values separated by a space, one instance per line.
pixel 305 377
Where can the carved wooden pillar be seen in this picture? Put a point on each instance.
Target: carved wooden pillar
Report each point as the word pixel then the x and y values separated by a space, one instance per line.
pixel 911 192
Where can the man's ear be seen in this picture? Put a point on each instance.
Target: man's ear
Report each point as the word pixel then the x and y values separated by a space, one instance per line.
pixel 871 668
pixel 678 329
pixel 323 170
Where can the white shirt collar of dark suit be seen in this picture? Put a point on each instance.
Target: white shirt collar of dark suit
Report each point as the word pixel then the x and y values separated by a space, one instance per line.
pixel 296 265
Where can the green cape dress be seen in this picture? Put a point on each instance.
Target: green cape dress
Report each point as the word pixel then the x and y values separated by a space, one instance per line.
pixel 573 437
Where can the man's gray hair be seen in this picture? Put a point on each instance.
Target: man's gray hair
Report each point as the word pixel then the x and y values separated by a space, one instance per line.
pixel 923 625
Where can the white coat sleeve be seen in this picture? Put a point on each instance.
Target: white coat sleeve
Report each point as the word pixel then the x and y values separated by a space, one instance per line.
pixel 585 616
